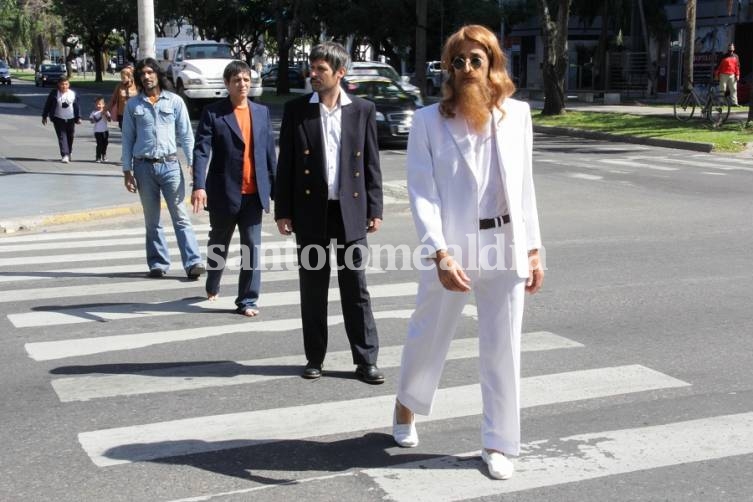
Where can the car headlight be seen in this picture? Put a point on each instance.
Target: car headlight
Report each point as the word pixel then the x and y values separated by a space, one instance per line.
pixel 380 117
pixel 195 81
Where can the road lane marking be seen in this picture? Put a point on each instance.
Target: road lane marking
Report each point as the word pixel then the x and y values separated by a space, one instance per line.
pixel 42 351
pixel 234 430
pixel 570 459
pixel 201 376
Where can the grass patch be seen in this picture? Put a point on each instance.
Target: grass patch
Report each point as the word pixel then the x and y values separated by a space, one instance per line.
pixel 8 98
pixel 731 137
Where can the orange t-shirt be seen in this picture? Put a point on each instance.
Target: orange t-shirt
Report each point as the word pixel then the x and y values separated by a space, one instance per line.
pixel 243 116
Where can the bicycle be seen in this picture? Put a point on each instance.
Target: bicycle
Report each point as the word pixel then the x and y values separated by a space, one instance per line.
pixel 714 106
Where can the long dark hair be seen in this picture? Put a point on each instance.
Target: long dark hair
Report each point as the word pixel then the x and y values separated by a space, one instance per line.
pixel 156 68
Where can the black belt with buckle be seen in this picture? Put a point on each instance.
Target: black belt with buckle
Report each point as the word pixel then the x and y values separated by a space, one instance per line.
pixel 159 160
pixel 497 221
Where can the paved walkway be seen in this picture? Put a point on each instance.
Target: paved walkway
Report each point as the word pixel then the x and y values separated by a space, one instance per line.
pixel 39 190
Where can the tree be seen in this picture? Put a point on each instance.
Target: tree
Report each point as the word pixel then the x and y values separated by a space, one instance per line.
pixel 690 9
pixel 554 27
pixel 94 22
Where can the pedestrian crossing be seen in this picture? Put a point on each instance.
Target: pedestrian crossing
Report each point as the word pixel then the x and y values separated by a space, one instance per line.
pixel 607 160
pixel 124 368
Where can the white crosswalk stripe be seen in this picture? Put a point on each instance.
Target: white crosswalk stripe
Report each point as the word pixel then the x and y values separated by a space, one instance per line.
pixel 203 434
pixel 258 370
pixel 571 459
pixel 117 365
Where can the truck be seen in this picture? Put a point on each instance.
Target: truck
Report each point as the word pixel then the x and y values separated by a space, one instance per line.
pixel 195 69
pixel 434 77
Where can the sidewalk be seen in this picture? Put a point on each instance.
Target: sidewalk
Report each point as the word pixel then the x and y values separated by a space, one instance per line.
pixel 39 190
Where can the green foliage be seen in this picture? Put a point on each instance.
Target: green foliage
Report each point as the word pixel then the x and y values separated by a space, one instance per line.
pixel 731 137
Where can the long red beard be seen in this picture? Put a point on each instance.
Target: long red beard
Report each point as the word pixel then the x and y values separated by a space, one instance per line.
pixel 473 103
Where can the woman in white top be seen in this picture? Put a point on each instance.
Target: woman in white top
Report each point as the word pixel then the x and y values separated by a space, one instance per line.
pixel 62 107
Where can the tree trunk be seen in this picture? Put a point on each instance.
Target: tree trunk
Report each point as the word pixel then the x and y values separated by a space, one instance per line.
pixel 421 19
pixel 689 44
pixel 650 59
pixel 555 64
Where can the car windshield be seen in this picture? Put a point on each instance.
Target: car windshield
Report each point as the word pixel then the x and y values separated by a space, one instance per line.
pixel 52 67
pixel 377 90
pixel 209 51
pixel 381 71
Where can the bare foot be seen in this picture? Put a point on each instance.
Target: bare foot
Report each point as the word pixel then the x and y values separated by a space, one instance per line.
pixel 248 312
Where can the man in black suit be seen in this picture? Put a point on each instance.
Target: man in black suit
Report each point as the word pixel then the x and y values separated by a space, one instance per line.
pixel 236 134
pixel 329 186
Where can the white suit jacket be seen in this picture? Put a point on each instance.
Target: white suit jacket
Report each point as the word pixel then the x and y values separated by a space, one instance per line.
pixel 444 191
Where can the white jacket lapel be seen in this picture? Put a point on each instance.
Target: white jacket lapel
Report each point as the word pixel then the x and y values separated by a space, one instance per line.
pixel 458 130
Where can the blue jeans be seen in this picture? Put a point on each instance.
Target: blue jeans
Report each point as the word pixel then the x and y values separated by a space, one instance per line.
pixel 165 178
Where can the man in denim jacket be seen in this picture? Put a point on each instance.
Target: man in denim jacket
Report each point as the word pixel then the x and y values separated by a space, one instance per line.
pixel 154 123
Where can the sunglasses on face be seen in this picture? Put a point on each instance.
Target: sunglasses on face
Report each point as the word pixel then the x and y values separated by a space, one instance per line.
pixel 459 62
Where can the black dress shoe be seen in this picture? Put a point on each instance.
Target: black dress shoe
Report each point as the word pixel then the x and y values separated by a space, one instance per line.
pixel 312 371
pixel 195 271
pixel 369 373
pixel 156 273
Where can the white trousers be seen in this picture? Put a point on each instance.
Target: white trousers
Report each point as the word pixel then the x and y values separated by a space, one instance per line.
pixel 728 81
pixel 499 300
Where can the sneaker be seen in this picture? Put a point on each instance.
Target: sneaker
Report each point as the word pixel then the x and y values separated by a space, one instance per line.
pixel 104 159
pixel 65 159
pixel 499 466
pixel 156 273
pixel 98 160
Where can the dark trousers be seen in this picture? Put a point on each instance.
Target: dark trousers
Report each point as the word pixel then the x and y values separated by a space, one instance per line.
pixel 314 272
pixel 248 221
pixel 102 141
pixel 64 130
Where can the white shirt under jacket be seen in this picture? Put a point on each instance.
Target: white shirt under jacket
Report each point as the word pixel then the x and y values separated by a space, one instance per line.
pixel 444 190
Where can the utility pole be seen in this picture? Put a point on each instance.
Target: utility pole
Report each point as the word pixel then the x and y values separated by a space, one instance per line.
pixel 146 29
pixel 689 43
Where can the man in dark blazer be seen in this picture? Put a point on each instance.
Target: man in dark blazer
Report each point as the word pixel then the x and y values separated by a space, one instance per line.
pixel 329 186
pixel 237 135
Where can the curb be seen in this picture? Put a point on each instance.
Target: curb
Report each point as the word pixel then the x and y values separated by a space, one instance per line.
pixel 30 222
pixel 12 105
pixel 605 136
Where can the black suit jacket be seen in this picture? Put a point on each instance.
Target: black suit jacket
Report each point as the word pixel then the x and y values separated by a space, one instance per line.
pixel 218 134
pixel 301 187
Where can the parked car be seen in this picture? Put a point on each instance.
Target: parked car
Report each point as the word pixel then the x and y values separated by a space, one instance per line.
pixel 49 74
pixel 296 77
pixel 4 73
pixel 394 106
pixel 377 69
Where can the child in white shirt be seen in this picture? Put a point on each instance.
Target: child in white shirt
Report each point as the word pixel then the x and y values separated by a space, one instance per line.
pixel 100 117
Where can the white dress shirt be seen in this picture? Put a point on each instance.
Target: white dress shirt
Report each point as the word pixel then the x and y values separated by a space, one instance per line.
pixel 488 171
pixel 331 135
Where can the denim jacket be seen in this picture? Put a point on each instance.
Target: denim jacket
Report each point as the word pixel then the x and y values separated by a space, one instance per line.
pixel 154 131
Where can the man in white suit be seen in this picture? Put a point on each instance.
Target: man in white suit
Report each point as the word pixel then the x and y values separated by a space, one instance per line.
pixel 473 202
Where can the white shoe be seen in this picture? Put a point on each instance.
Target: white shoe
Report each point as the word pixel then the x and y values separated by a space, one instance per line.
pixel 65 159
pixel 405 435
pixel 499 466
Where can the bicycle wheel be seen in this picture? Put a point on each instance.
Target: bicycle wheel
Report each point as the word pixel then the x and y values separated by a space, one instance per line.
pixel 685 107
pixel 718 109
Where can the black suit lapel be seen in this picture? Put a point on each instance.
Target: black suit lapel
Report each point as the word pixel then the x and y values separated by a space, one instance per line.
pixel 312 125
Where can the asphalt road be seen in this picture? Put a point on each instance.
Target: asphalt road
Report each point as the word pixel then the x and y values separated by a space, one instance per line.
pixel 637 381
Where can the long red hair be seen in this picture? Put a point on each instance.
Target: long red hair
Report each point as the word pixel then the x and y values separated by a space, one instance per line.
pixel 500 84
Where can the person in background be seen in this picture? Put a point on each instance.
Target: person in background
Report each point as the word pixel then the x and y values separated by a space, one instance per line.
pixel 100 118
pixel 155 122
pixel 469 171
pixel 63 109
pixel 728 74
pixel 236 185
pixel 125 90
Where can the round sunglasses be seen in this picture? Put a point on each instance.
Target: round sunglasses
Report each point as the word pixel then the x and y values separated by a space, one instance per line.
pixel 459 62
